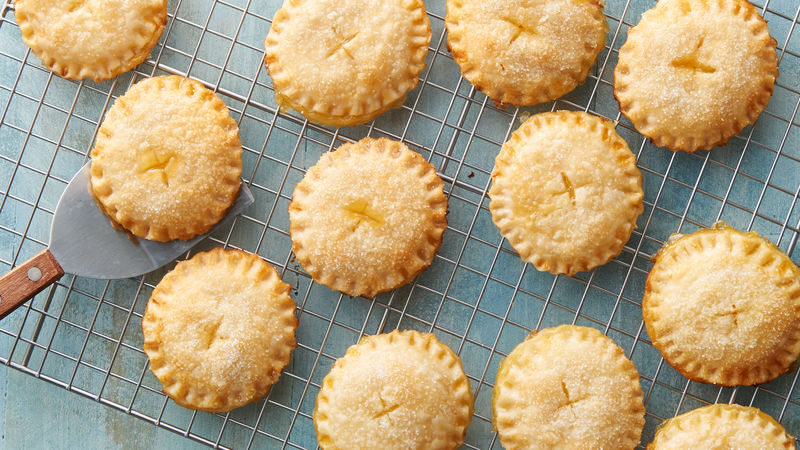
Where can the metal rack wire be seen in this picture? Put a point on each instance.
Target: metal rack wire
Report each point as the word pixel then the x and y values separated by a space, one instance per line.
pixel 478 297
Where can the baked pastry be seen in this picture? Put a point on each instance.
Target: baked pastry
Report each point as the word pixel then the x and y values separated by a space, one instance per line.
pixel 568 387
pixel 344 63
pixel 167 160
pixel 218 330
pixel 566 191
pixel 693 73
pixel 723 307
pixel 402 390
pixel 525 52
pixel 722 426
pixel 368 217
pixel 91 39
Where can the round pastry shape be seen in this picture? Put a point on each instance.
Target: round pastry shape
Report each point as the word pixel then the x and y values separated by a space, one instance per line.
pixel 402 390
pixel 167 160
pixel 368 217
pixel 722 426
pixel 723 307
pixel 525 52
pixel 566 192
pixel 568 387
pixel 344 63
pixel 91 38
pixel 694 73
pixel 218 330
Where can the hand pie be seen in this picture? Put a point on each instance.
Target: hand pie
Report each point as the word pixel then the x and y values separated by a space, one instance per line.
pixel 402 390
pixel 345 62
pixel 525 52
pixel 722 426
pixel 368 217
pixel 568 387
pixel 566 192
pixel 723 307
pixel 218 330
pixel 693 73
pixel 91 39
pixel 167 160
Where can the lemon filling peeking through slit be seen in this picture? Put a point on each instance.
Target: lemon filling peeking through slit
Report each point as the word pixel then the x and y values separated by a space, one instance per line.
pixel 362 212
pixel 159 165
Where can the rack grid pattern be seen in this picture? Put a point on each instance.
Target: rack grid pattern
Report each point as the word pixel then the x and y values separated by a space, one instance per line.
pixel 478 297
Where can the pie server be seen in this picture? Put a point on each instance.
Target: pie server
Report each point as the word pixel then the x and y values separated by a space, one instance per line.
pixel 83 243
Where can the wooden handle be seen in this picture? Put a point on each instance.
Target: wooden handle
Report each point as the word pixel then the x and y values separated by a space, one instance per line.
pixel 26 280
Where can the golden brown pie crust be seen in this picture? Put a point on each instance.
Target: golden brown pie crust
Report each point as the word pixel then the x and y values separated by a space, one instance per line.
pixel 91 38
pixel 568 387
pixel 722 426
pixel 694 73
pixel 525 52
pixel 343 63
pixel 723 307
pixel 167 160
pixel 218 330
pixel 566 191
pixel 368 217
pixel 402 390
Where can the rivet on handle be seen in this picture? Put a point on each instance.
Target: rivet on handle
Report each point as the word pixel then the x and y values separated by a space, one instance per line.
pixel 34 274
pixel 27 279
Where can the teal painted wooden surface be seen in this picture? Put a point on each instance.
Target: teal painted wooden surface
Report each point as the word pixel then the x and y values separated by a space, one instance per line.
pixel 82 320
pixel 38 415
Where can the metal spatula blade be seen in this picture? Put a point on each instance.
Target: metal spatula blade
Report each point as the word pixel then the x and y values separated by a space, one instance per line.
pixel 83 243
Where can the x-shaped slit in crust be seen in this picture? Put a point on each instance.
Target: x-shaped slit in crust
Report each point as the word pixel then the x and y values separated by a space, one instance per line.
pixel 76 5
pixel 341 45
pixel 568 186
pixel 732 313
pixel 363 213
pixel 160 163
pixel 566 393
pixel 692 62
pixel 211 334
pixel 519 28
pixel 385 410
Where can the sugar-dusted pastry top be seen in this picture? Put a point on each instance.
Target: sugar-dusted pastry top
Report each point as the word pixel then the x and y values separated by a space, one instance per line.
pixel 218 330
pixel 568 387
pixel 167 160
pixel 402 390
pixel 368 217
pixel 566 191
pixel 91 38
pixel 723 307
pixel 525 52
pixel 693 73
pixel 722 426
pixel 343 63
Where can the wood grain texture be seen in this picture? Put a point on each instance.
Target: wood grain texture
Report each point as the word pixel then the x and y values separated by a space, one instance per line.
pixel 16 287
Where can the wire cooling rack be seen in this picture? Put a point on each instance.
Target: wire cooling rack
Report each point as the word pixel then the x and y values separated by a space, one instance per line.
pixel 478 297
